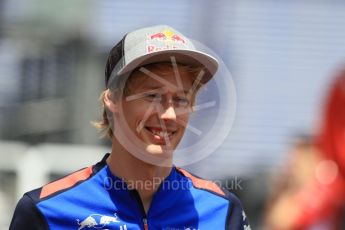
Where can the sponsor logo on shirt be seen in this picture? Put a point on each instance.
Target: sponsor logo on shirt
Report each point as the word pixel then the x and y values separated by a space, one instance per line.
pixel 97 221
pixel 180 228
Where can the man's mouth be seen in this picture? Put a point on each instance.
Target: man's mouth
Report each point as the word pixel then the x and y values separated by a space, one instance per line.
pixel 160 134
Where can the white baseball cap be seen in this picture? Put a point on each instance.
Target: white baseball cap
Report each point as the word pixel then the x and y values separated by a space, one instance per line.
pixel 155 44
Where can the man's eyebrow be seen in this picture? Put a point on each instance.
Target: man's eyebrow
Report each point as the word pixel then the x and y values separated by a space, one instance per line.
pixel 164 88
pixel 146 91
pixel 153 88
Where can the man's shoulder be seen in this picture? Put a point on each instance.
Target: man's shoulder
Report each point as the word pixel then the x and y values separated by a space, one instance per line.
pixel 65 183
pixel 236 217
pixel 27 215
pixel 207 185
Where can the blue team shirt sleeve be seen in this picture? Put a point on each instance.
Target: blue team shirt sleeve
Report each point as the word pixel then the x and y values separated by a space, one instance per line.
pixel 27 216
pixel 237 218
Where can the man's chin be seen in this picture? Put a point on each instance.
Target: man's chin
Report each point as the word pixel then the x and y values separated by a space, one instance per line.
pixel 160 150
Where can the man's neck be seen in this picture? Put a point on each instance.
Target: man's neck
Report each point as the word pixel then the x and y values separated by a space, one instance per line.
pixel 139 175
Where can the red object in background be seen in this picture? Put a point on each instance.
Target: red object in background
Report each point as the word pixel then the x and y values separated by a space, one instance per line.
pixel 322 204
pixel 331 140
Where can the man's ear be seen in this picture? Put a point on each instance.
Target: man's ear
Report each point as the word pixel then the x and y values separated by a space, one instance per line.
pixel 110 102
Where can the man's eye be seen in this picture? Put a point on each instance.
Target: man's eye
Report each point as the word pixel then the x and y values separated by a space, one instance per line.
pixel 154 96
pixel 181 101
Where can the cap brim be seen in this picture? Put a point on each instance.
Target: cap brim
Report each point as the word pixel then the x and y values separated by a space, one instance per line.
pixel 187 57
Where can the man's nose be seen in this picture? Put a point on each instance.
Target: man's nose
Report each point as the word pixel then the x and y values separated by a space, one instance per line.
pixel 168 112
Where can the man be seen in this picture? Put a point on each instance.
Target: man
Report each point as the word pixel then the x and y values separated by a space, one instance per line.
pixel 152 76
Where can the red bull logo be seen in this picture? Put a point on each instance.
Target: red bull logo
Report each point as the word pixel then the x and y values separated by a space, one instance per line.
pixel 167 35
pixel 177 38
pixel 158 36
pixel 170 40
pixel 96 221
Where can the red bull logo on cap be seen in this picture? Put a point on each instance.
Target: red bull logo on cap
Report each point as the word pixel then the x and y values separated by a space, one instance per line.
pixel 164 40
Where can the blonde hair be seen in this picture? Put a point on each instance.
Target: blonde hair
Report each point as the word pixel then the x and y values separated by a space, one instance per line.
pixel 122 85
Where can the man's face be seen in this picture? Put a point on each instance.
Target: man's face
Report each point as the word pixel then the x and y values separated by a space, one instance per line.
pixel 157 108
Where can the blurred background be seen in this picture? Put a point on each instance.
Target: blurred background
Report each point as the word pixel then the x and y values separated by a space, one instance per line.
pixel 282 56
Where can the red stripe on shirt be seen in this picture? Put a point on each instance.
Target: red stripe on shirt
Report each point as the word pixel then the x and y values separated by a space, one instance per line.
pixel 202 184
pixel 65 182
